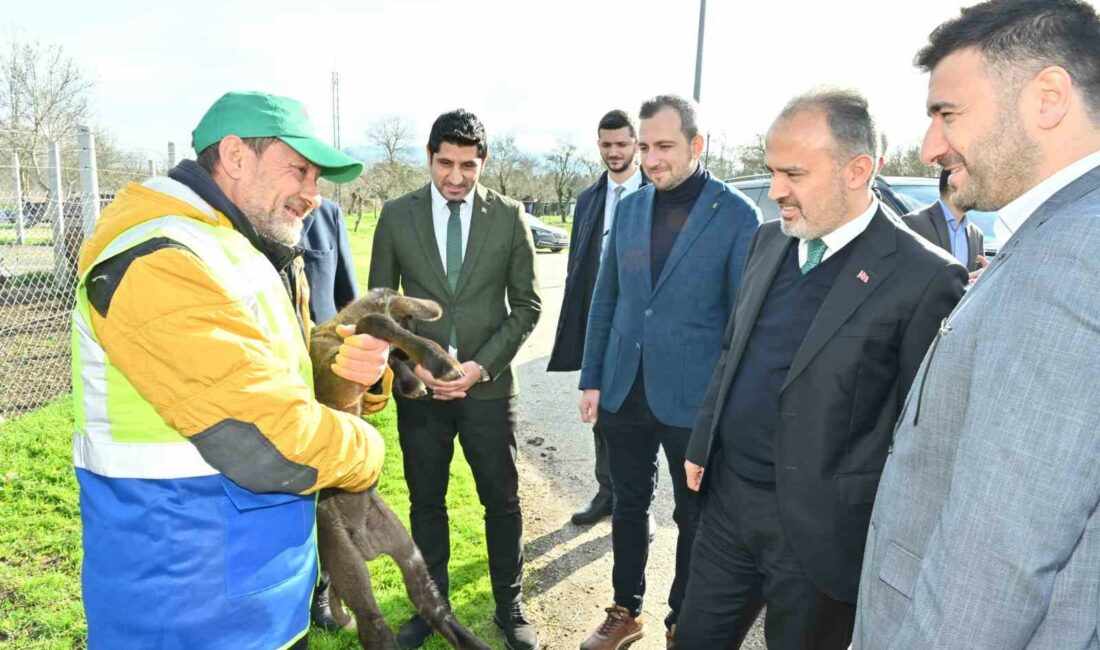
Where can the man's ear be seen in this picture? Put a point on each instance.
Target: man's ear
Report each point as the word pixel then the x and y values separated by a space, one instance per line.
pixel 428 149
pixel 859 171
pixel 697 146
pixel 231 153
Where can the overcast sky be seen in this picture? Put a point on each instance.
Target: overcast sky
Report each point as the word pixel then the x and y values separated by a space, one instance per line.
pixel 542 70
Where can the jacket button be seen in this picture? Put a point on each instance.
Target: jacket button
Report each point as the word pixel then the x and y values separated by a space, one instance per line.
pixel 648 313
pixel 637 346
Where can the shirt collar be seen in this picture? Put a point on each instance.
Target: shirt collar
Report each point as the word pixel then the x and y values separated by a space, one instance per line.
pixel 439 202
pixel 629 185
pixel 1016 213
pixel 949 216
pixel 843 235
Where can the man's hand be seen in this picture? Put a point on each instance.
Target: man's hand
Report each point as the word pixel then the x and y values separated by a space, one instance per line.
pixel 448 390
pixel 694 475
pixel 361 358
pixel 590 404
pixel 982 263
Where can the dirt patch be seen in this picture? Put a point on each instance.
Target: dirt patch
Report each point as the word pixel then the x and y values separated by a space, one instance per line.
pixel 34 347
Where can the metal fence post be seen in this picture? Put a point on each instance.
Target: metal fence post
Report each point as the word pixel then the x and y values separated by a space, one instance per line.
pixel 171 155
pixel 152 168
pixel 20 236
pixel 89 179
pixel 60 272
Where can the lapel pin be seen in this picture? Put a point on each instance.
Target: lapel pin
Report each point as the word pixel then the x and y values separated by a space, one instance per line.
pixel 863 277
pixel 484 210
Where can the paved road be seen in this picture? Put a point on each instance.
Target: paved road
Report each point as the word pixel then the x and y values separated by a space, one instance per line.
pixel 570 567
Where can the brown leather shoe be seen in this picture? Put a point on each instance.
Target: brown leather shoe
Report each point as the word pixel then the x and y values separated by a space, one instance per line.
pixel 670 633
pixel 617 632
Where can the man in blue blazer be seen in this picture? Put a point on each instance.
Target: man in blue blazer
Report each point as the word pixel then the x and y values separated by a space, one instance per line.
pixel 664 292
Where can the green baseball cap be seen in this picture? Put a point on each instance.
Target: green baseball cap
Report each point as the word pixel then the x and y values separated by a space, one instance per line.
pixel 258 115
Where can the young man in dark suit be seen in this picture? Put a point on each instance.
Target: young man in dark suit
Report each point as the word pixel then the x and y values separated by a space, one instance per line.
pixel 469 249
pixel 665 289
pixel 592 219
pixel 838 305
pixel 946 226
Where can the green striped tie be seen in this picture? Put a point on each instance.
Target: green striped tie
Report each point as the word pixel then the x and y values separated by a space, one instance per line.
pixel 454 257
pixel 815 250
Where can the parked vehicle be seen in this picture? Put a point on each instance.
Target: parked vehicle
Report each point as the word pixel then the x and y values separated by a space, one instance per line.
pixel 899 195
pixel 547 236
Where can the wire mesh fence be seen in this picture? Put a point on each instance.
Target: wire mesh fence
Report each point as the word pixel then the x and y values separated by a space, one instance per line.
pixel 46 210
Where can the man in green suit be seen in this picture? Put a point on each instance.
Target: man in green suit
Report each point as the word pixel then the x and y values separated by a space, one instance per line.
pixel 467 248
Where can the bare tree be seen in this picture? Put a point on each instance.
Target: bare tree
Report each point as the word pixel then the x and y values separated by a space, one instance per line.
pixel 505 159
pixel 393 135
pixel 906 162
pixel 43 95
pixel 565 168
pixel 751 157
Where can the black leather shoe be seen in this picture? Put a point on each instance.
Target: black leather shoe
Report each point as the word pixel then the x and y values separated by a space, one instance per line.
pixel 519 633
pixel 597 509
pixel 652 526
pixel 320 612
pixel 413 633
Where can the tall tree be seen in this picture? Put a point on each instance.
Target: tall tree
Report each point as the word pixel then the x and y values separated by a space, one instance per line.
pixel 392 134
pixel 43 96
pixel 505 160
pixel 565 167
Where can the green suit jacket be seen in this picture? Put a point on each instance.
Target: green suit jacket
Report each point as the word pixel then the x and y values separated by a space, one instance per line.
pixel 496 303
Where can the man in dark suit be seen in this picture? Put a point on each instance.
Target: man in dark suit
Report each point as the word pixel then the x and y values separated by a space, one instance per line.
pixel 592 219
pixel 946 226
pixel 469 249
pixel 837 308
pixel 665 289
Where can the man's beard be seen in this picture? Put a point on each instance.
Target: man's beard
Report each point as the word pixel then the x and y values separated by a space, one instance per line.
pixel 272 227
pixel 617 167
pixel 1001 167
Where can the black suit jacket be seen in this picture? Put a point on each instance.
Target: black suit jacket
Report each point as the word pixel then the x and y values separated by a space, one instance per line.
pixel 844 390
pixel 930 224
pixel 582 267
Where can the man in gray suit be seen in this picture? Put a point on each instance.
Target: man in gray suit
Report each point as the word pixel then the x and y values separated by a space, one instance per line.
pixel 946 226
pixel 985 532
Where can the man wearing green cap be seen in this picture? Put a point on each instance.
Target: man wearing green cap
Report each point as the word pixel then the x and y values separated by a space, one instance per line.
pixel 198 443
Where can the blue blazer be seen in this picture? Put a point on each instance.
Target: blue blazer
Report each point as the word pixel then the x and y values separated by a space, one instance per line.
pixel 676 325
pixel 330 270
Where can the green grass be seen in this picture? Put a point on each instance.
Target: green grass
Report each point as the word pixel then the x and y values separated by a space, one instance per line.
pixel 40 532
pixel 40 549
pixel 556 220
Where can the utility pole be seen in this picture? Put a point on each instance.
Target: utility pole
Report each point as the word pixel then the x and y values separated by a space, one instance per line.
pixel 699 67
pixel 336 120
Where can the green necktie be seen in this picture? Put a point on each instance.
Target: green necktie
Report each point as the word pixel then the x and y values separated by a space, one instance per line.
pixel 454 257
pixel 815 250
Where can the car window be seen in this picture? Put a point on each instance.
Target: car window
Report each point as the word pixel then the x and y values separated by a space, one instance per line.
pixel 916 197
pixel 752 192
pixel 985 221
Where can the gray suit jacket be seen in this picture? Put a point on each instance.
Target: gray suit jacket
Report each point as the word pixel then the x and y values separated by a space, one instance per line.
pixel 985 532
pixel 930 224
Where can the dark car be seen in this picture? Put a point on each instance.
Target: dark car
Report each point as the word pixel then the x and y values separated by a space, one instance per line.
pixel 547 236
pixel 899 195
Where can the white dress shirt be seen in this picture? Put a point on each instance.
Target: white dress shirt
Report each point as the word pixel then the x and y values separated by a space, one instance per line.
pixel 840 237
pixel 1013 215
pixel 441 214
pixel 629 185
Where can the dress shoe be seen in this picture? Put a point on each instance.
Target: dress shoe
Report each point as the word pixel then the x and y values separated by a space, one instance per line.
pixel 597 509
pixel 519 633
pixel 320 612
pixel 670 641
pixel 413 633
pixel 652 527
pixel 619 630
